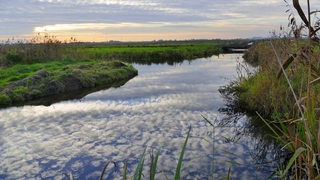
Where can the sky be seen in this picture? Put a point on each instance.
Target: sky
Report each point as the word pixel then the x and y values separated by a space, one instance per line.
pixel 142 20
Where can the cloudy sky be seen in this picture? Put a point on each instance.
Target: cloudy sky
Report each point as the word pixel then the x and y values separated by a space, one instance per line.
pixel 132 20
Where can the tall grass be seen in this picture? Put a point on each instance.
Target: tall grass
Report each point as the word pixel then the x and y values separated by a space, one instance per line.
pixel 303 133
pixel 286 92
pixel 41 48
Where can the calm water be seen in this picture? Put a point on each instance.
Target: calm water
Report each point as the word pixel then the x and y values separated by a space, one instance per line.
pixel 153 110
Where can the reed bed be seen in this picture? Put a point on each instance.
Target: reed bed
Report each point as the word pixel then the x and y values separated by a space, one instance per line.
pixel 285 91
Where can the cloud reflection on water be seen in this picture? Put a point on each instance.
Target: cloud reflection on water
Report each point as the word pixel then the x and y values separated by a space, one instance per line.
pixel 154 109
pixel 101 130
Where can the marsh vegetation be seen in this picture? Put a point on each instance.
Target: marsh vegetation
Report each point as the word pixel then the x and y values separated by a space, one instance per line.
pixel 285 90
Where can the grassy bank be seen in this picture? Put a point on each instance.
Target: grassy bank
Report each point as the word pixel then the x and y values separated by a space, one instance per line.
pixel 267 90
pixel 26 67
pixel 295 122
pixel 285 91
pixel 21 83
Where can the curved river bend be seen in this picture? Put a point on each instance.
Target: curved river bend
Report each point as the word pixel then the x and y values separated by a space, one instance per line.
pixel 155 109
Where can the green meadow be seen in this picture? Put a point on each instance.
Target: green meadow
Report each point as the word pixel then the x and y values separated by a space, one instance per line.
pixel 147 53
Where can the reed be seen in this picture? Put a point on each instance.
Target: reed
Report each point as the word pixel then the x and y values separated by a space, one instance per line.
pixel 285 91
pixel 41 48
pixel 302 134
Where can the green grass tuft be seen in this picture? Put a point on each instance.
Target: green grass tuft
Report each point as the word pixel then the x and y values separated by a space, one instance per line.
pixel 177 175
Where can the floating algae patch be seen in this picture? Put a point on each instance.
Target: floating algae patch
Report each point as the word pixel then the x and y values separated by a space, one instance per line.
pixel 72 79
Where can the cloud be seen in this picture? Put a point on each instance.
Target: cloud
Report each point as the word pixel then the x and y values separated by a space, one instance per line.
pixel 132 4
pixel 138 17
pixel 100 26
pixel 105 2
pixel 102 20
pixel 132 31
pixel 264 3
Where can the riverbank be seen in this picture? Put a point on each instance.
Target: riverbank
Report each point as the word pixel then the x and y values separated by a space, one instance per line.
pixel 285 92
pixel 49 79
pixel 46 66
pixel 266 91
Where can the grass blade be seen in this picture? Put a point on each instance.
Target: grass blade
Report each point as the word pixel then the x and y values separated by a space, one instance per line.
pixel 234 163
pixel 292 159
pixel 105 168
pixel 153 168
pixel 207 120
pixel 178 169
pixel 315 81
pixel 165 175
pixel 70 176
pixel 229 173
pixel 139 169
pixel 125 170
pixel 270 127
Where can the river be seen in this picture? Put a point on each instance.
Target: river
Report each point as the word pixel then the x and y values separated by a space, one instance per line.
pixel 153 110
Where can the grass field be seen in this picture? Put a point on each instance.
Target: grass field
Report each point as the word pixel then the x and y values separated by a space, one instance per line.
pixel 152 53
